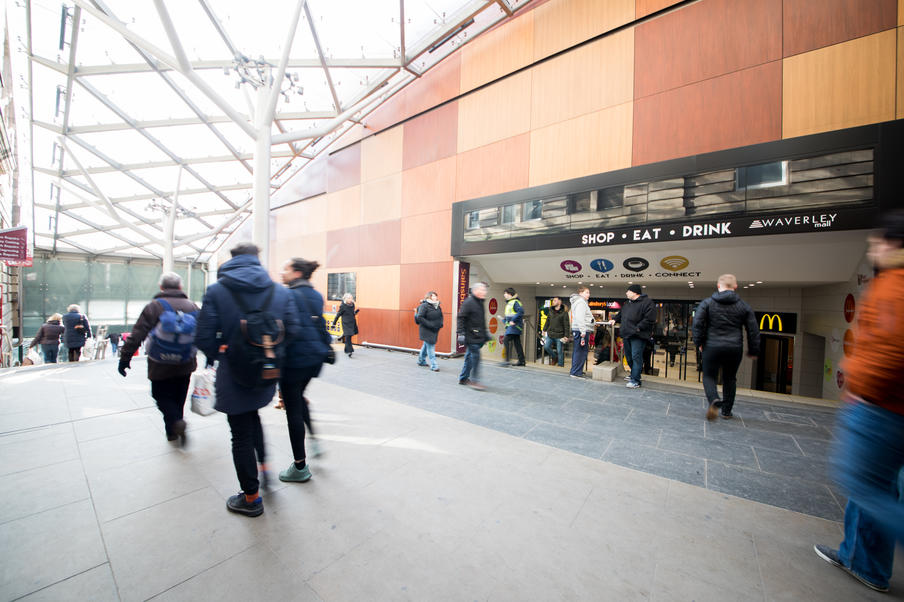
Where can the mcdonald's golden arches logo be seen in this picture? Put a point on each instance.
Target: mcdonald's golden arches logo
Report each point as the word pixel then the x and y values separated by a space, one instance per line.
pixel 772 319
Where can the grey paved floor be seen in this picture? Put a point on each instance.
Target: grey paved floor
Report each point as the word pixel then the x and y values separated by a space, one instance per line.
pixel 406 504
pixel 770 453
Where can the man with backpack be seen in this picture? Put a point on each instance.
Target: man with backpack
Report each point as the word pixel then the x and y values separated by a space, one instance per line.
pixel 246 320
pixel 168 322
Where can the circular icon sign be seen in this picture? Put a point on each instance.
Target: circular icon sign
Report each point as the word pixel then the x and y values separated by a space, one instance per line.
pixel 849 308
pixel 839 379
pixel 848 344
pixel 571 266
pixel 674 263
pixel 602 265
pixel 636 264
pixel 501 339
pixel 493 306
pixel 494 325
pixel 491 346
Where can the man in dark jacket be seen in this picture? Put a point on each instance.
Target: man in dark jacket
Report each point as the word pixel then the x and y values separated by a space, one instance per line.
pixel 557 327
pixel 77 332
pixel 429 318
pixel 305 355
pixel 718 322
pixel 244 277
pixel 637 318
pixel 472 332
pixel 169 381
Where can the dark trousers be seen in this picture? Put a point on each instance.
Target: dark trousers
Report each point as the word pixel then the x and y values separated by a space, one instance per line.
pixel 50 352
pixel 298 414
pixel 634 347
pixel 74 353
pixel 509 341
pixel 728 360
pixel 247 438
pixel 348 343
pixel 579 353
pixel 170 396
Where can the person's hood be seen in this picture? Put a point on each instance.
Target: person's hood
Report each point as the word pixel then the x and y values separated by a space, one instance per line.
pixel 299 282
pixel 575 298
pixel 429 302
pixel 726 297
pixel 244 273
pixel 56 322
pixel 638 298
pixel 171 292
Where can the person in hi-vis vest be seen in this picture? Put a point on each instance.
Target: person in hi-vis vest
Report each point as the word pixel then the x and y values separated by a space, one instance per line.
pixel 514 326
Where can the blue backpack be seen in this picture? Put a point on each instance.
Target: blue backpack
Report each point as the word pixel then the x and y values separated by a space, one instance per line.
pixel 172 340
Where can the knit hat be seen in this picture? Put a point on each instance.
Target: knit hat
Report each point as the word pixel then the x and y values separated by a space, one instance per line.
pixel 635 288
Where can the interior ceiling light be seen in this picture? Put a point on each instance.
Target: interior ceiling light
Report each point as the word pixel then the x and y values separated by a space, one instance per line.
pixel 759 282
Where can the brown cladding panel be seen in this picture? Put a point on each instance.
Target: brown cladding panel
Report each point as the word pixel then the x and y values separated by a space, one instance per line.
pixel 343 247
pixel 738 109
pixel 808 25
pixel 430 137
pixel 344 168
pixel 494 168
pixel 642 8
pixel 380 243
pixel 408 330
pixel 378 326
pixel 705 40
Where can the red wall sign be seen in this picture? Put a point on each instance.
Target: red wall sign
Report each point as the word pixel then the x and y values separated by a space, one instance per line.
pixel 849 308
pixel 493 306
pixel 14 243
pixel 494 325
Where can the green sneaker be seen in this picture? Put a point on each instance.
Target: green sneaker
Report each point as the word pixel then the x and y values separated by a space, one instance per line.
pixel 293 475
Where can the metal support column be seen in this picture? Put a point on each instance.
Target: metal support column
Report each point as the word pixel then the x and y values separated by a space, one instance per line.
pixel 169 234
pixel 261 211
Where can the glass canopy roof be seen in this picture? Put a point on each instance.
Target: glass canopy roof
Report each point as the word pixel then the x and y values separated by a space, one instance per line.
pixel 126 110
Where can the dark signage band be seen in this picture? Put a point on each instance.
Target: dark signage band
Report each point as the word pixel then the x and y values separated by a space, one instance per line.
pixel 782 322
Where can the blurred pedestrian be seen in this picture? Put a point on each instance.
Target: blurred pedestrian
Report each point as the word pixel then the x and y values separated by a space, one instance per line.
pixel 48 337
pixel 719 322
pixel 868 454
pixel 114 341
pixel 472 332
pixel 429 318
pixel 78 330
pixel 169 322
pixel 347 313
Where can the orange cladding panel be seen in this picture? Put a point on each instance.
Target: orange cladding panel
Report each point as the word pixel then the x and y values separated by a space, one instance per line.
pixel 705 40
pixel 738 109
pixel 494 168
pixel 428 188
pixel 426 237
pixel 642 8
pixel 418 278
pixel 431 136
pixel 809 25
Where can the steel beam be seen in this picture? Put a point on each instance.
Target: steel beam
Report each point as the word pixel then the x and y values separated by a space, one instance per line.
pixel 219 65
pixel 326 70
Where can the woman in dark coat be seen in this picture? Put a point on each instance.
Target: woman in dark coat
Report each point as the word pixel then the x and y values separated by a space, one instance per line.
pixel 429 318
pixel 77 331
pixel 48 338
pixel 347 314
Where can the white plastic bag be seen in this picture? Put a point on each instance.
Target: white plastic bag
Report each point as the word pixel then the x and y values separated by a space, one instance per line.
pixel 203 392
pixel 35 357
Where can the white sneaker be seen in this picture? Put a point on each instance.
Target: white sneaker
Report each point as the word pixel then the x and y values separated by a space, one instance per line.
pixel 314 447
pixel 633 385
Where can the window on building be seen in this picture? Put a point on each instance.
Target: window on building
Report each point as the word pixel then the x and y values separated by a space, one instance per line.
pixel 581 202
pixel 532 210
pixel 340 283
pixel 472 220
pixel 510 213
pixel 610 198
pixel 765 175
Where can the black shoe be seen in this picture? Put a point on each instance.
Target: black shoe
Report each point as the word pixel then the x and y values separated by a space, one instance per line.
pixel 464 382
pixel 179 432
pixel 520 364
pixel 831 556
pixel 240 505
pixel 727 416
pixel 712 411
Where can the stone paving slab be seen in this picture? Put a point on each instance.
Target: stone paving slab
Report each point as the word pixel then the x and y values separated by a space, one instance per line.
pixel 406 503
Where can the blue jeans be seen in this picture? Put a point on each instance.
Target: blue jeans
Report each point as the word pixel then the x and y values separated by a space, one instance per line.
pixel 50 352
pixel 867 460
pixel 634 354
pixel 579 354
pixel 559 349
pixel 428 350
pixel 471 368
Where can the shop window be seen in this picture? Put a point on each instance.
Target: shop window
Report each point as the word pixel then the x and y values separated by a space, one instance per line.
pixel 510 213
pixel 765 175
pixel 473 220
pixel 340 283
pixel 581 202
pixel 532 210
pixel 610 198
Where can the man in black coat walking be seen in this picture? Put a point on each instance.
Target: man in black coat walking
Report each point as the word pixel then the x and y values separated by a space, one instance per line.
pixel 429 318
pixel 717 331
pixel 472 332
pixel 637 318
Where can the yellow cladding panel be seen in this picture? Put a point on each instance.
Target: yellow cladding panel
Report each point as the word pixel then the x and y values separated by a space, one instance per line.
pixel 304 217
pixel 377 286
pixel 381 154
pixel 311 247
pixel 839 86
pixel 344 208
pixel 591 144
pixel 587 79
pixel 496 112
pixel 560 24
pixel 426 238
pixel 381 200
pixel 498 52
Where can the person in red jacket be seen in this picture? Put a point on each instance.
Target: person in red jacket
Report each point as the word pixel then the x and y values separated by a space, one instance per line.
pixel 868 456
